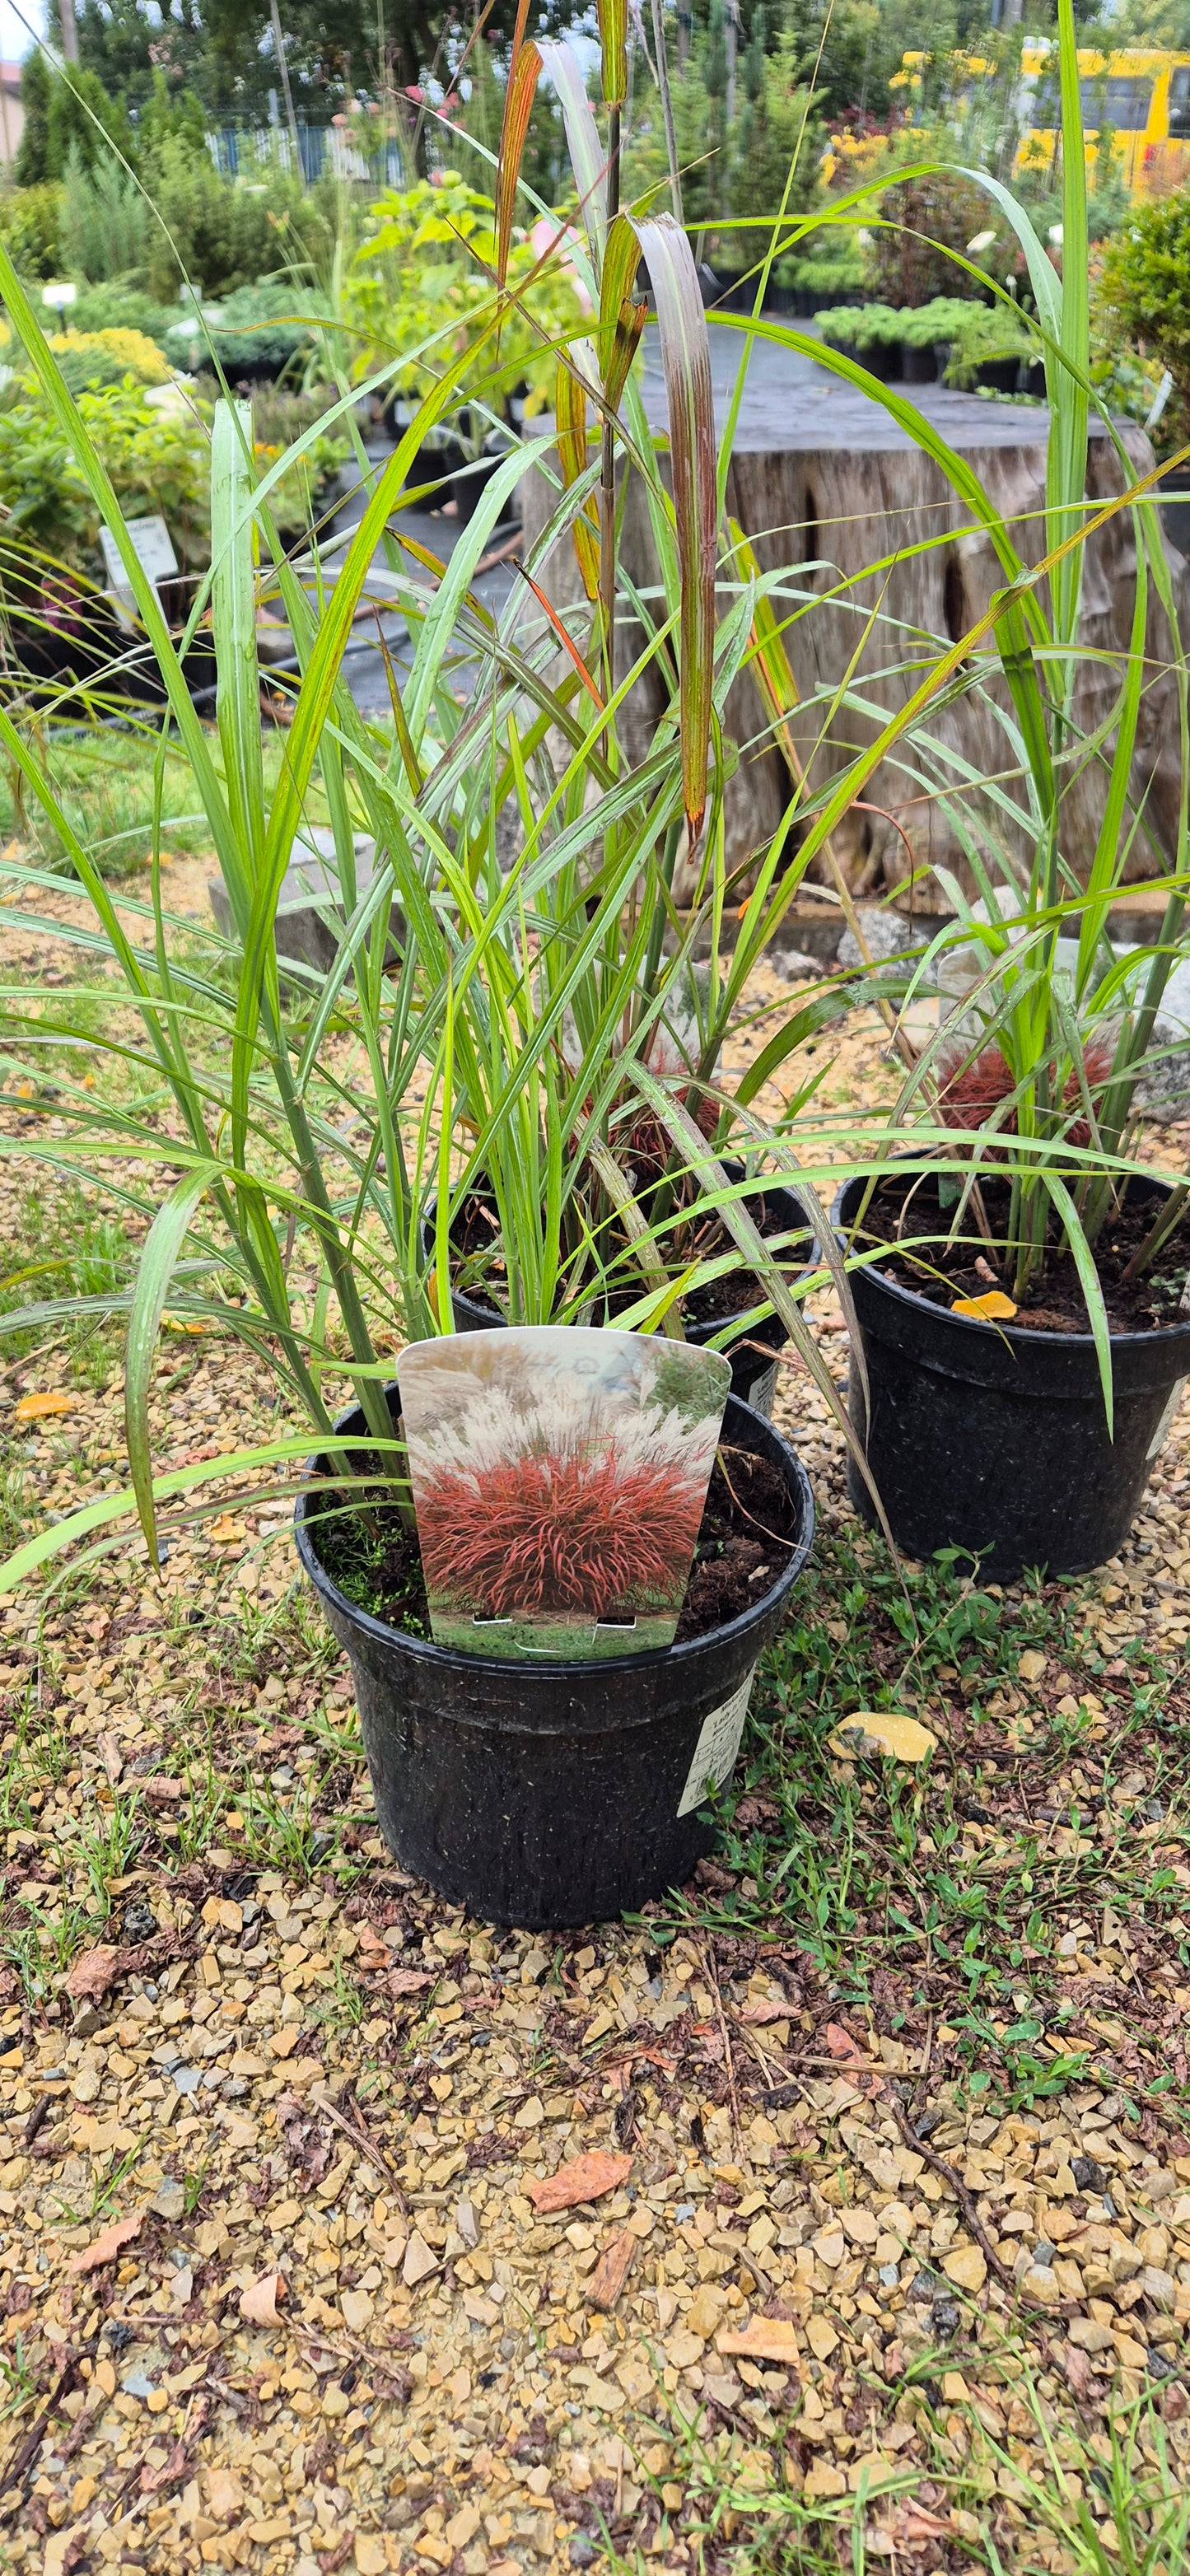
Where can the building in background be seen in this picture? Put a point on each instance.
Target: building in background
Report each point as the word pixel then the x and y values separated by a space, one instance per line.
pixel 12 114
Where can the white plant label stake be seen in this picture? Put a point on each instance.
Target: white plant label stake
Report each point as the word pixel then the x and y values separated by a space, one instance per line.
pixel 559 1475
pixel 153 547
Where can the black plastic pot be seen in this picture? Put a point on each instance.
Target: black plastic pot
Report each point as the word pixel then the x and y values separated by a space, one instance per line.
pixel 918 366
pixel 994 1437
pixel 1175 515
pixel 881 358
pixel 753 1376
pixel 552 1793
pixel 998 375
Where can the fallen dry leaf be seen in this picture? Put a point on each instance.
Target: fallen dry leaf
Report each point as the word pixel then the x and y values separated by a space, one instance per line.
pixel 108 2245
pixel 374 1953
pixel 36 1408
pixel 259 2302
pixel 611 2271
pixel 585 2178
pixel 92 1974
pixel 882 1730
pixel 992 1308
pixel 152 2481
pixel 759 2013
pixel 762 2339
pixel 407 1981
pixel 842 2046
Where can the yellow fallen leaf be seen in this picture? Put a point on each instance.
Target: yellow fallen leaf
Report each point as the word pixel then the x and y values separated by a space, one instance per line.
pixel 182 1324
pixel 992 1308
pixel 35 1408
pixel 882 1731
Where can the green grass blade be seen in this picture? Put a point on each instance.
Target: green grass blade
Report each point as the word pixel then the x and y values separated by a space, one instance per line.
pixel 158 1262
pixel 686 358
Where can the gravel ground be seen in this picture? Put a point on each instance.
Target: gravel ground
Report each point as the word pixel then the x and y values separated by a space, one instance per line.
pixel 884 2257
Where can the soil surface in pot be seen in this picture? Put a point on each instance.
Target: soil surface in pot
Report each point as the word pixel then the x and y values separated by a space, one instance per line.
pixel 750 1529
pixel 1055 1304
pixel 481 1275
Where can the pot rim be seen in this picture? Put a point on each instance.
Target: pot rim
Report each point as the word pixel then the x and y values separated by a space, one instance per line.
pixel 611 1667
pixel 1152 1337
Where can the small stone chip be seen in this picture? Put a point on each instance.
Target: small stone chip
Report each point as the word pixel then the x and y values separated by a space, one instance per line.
pixel 767 2339
pixel 420 2261
pixel 882 1730
pixel 824 2480
pixel 966 2267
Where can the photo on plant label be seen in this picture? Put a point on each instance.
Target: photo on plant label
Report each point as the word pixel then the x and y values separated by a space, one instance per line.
pixel 559 1476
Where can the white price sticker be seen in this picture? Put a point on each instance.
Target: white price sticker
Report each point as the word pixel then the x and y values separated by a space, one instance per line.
pixel 717 1746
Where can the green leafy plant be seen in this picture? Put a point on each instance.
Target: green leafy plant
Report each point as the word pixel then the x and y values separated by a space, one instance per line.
pixel 982 334
pixel 864 326
pixel 107 223
pixel 418 291
pixel 1146 289
pixel 154 458
pixel 31 227
pixel 269 328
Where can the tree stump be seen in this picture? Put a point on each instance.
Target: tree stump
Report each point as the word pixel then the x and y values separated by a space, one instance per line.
pixel 883 567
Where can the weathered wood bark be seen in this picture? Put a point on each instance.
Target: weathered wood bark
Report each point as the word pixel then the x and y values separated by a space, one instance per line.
pixel 827 516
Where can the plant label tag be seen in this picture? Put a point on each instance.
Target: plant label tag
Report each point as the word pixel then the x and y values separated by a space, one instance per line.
pixel 762 1391
pixel 153 547
pixel 559 1475
pixel 1161 1434
pixel 717 1746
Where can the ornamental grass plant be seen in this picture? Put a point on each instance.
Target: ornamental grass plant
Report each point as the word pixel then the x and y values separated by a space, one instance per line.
pixel 514 1005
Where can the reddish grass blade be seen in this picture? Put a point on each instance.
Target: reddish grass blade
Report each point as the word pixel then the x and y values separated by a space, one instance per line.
pixel 686 357
pixel 566 641
pixel 518 104
pixel 621 261
pixel 626 337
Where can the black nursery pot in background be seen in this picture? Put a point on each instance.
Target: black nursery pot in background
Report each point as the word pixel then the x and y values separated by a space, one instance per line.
pixel 547 1793
pixel 994 1437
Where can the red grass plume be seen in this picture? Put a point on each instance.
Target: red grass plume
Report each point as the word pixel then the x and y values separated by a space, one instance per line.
pixel 571 1533
pixel 968 1096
